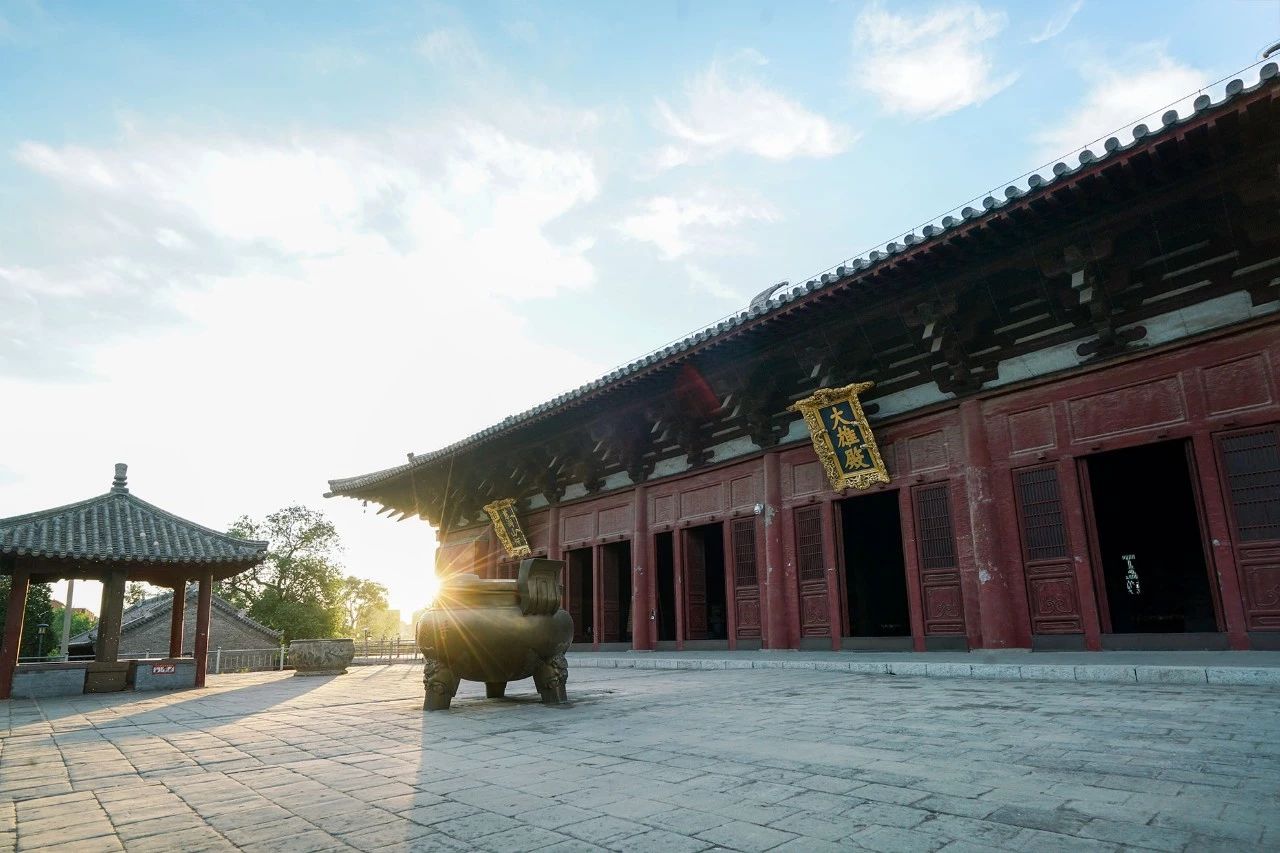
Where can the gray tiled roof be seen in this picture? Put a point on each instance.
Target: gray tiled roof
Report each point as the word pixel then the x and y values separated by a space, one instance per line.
pixel 775 299
pixel 161 605
pixel 120 526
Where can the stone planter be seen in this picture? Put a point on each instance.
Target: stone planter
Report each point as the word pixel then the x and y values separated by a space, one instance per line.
pixel 497 631
pixel 321 657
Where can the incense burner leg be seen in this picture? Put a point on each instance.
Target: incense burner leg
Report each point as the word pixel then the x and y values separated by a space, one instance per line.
pixel 549 676
pixel 441 684
pixel 495 689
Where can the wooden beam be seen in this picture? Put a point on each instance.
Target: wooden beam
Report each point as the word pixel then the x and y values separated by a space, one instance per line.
pixel 204 605
pixel 17 608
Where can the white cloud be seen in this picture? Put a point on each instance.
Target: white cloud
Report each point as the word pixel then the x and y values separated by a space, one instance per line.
pixel 267 312
pixel 1121 93
pixel 728 110
pixel 928 65
pixel 1057 24
pixel 451 47
pixel 701 223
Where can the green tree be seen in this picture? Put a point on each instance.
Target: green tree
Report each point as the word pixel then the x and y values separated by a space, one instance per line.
pixel 39 611
pixel 297 589
pixel 364 602
pixel 136 591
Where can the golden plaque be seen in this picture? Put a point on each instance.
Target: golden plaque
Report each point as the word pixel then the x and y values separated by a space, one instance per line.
pixel 507 526
pixel 842 438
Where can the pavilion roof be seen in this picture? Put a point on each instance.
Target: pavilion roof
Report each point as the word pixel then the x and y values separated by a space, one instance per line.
pixel 118 526
pixel 784 297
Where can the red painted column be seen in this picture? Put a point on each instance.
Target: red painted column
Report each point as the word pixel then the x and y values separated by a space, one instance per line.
pixel 677 566
pixel 17 608
pixel 790 578
pixel 835 604
pixel 203 606
pixel 730 582
pixel 176 619
pixel 1224 566
pixel 911 565
pixel 554 552
pixel 1001 619
pixel 642 574
pixel 775 600
pixel 597 596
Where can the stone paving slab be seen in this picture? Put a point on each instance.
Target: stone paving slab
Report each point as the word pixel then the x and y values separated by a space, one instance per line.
pixel 1255 669
pixel 795 758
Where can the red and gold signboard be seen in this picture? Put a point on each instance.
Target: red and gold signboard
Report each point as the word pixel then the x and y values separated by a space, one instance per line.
pixel 507 525
pixel 842 438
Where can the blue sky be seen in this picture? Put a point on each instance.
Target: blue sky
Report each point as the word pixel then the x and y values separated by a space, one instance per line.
pixel 250 246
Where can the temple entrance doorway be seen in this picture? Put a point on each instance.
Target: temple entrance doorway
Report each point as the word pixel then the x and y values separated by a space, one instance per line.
pixel 1148 542
pixel 874 571
pixel 705 602
pixel 665 575
pixel 581 594
pixel 615 592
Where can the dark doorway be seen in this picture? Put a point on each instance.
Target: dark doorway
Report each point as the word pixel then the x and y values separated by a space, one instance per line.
pixel 706 605
pixel 581 594
pixel 615 589
pixel 875 573
pixel 665 562
pixel 1148 534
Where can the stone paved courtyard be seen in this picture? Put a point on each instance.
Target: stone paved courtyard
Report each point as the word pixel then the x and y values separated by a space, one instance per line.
pixel 645 760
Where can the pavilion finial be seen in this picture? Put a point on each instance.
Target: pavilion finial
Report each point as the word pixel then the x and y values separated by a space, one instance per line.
pixel 120 484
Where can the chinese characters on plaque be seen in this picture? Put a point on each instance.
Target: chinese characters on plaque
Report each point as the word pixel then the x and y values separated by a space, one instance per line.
pixel 841 437
pixel 507 526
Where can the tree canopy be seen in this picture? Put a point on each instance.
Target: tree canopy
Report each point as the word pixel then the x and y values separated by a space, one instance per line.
pixel 300 588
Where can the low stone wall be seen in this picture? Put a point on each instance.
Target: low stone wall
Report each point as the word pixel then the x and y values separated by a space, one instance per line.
pixel 172 674
pixel 42 680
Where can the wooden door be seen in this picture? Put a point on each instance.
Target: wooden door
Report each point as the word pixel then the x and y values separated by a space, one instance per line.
pixel 695 586
pixel 811 572
pixel 941 598
pixel 1052 597
pixel 1250 461
pixel 746 580
pixel 610 607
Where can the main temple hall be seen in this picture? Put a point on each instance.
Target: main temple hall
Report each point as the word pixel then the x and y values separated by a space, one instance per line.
pixel 1068 394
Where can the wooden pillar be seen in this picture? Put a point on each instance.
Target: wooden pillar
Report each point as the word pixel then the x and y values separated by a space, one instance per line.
pixel 597 595
pixel 775 600
pixel 642 616
pixel 911 565
pixel 107 647
pixel 1001 598
pixel 16 609
pixel 554 552
pixel 677 567
pixel 176 618
pixel 835 602
pixel 730 584
pixel 203 606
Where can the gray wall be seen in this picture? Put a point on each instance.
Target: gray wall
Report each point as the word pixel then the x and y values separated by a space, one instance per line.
pixel 224 630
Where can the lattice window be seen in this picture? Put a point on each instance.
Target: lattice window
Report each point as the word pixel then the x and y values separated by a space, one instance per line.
pixel 1252 462
pixel 1044 531
pixel 933 517
pixel 744 552
pixel 809 543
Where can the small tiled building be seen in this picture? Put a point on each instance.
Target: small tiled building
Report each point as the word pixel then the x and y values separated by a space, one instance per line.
pixel 145 628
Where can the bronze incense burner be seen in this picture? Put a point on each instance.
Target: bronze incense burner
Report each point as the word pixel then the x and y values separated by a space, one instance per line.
pixel 497 631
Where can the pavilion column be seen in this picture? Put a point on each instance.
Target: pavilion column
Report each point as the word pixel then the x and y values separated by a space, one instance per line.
pixel 176 619
pixel 775 610
pixel 107 647
pixel 203 606
pixel 14 613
